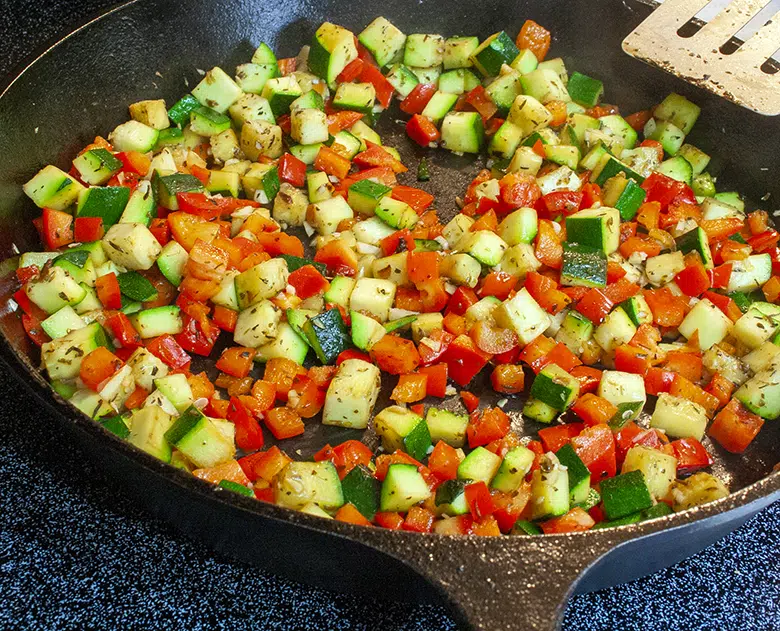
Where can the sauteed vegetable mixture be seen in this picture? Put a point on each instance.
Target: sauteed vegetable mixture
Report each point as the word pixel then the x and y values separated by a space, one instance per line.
pixel 593 267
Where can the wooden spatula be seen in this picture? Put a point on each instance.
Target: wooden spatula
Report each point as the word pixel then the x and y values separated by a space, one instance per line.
pixel 698 59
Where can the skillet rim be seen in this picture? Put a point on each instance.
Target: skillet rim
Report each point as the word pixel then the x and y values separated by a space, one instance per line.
pixel 764 488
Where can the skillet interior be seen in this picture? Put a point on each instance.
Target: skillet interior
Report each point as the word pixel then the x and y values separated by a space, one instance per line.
pixel 114 62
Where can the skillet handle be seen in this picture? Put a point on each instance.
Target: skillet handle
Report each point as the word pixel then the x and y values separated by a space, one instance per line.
pixel 505 583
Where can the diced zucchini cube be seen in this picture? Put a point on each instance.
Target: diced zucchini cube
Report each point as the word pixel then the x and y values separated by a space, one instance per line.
pixel 462 132
pixel 251 107
pixel 555 387
pixel 659 469
pixel 710 322
pixel 309 126
pixel 595 227
pixel 302 483
pixel 52 188
pixel 352 394
pixel 624 390
pixel 524 316
pixel 332 48
pixel 328 214
pixel 383 40
pixel 261 138
pixel 549 488
pixel 373 296
pixel 261 282
pixel 485 246
pixel 529 114
pixel 217 90
pixel 679 111
pixel 678 417
pixel 583 266
pixel 494 52
pixel 544 85
pixel 131 245
pixel 251 78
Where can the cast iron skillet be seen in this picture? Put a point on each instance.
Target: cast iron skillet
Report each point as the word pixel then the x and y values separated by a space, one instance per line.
pixel 81 87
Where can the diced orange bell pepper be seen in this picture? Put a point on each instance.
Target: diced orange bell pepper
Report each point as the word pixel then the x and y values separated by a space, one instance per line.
pixel 395 355
pixel 284 423
pixel 734 428
pixel 351 515
pixel 594 410
pixel 508 378
pixel 410 388
pixel 443 461
pixel 576 520
pixel 236 361
pixel 99 366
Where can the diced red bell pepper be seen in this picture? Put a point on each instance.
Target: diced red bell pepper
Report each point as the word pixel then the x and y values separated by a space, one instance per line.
pixel 433 347
pixel 562 202
pixel 418 519
pixel 284 423
pixel 556 436
pixel 415 197
pixel 194 338
pixel 338 258
pixel 418 98
pixel 422 130
pixel 351 71
pixel 410 388
pixel 88 229
pixel 338 121
pixel 691 455
pixel 508 378
pixel 376 156
pixel 292 170
pixel 56 228
pixel 384 89
pixel 123 330
pixel 664 190
pixel 308 282
pixel 249 435
pixel 535 38
pixel 480 100
pixel 331 163
pixel 589 378
pixel 693 280
pixel 596 448
pixel 98 366
pixel 464 360
pixel 264 465
pixel 391 521
pixel 479 500
pixel 576 520
pixel 236 361
pixel 108 292
pixel 32 326
pixel 595 306
pixel 436 386
pixel 461 300
pixel 470 400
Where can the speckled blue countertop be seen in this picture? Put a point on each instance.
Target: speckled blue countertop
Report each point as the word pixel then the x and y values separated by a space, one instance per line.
pixel 76 555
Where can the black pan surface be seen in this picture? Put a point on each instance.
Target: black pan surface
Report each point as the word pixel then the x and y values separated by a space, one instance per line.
pixel 153 49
